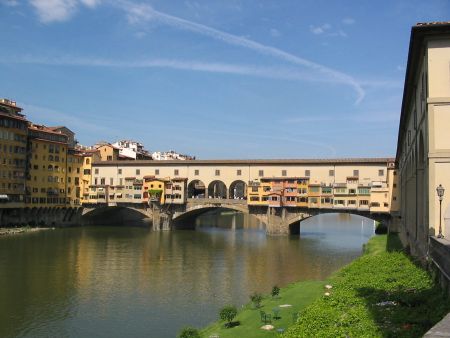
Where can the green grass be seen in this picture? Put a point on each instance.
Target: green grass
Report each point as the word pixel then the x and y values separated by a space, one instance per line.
pixel 383 274
pixel 299 295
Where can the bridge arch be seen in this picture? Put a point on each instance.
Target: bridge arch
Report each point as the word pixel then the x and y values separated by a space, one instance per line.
pixel 115 215
pixel 198 209
pixel 294 222
pixel 238 190
pixel 217 189
pixel 196 189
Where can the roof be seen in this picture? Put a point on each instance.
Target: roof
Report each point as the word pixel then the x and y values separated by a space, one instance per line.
pixel 419 33
pixel 45 129
pixel 287 162
pixel 11 104
pixel 14 116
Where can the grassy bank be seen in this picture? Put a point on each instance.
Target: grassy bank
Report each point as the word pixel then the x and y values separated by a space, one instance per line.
pixel 299 295
pixel 381 294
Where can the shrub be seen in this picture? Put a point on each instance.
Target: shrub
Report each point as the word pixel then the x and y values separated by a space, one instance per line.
pixel 189 332
pixel 381 228
pixel 275 291
pixel 228 313
pixel 256 299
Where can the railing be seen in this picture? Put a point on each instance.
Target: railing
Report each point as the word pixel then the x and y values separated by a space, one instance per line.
pixel 216 201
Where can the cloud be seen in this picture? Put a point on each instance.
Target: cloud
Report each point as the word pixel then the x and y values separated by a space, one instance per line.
pixel 326 30
pixel 348 21
pixel 139 13
pixel 59 10
pixel 53 116
pixel 275 33
pixel 90 3
pixel 282 73
pixel 366 117
pixel 318 30
pixel 9 3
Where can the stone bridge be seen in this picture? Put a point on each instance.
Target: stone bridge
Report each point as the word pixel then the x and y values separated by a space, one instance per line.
pixel 278 221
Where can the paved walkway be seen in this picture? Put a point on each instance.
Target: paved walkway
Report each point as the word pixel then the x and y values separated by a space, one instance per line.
pixel 441 329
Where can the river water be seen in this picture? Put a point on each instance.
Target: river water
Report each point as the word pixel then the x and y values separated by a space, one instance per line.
pixel 131 282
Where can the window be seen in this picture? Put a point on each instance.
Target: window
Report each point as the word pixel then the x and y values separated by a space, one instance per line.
pixel 119 171
pixel 109 158
pixel 356 173
pixel 196 172
pixel 307 173
pixel 217 172
pixel 176 172
pixel 138 171
pixel 261 173
pixel 254 189
pixel 102 181
pixel 238 172
pixel 254 198
pixel 283 172
pixel 111 181
pixel 156 171
pixel 88 161
pixel 331 173
pixel 96 170
pixel 381 172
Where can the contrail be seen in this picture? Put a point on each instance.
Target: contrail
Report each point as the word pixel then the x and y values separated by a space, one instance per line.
pixel 139 12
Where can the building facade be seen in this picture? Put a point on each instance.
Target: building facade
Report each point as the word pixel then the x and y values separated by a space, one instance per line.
pixel 423 148
pixel 359 184
pixel 13 159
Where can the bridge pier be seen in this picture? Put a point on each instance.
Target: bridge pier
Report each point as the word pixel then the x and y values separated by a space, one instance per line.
pixel 277 222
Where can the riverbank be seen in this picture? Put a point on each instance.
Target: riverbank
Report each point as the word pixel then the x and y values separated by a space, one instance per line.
pixel 291 300
pixel 381 294
pixel 20 230
pixel 384 293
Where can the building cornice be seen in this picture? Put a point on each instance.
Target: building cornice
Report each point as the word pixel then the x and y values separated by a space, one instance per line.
pixel 287 162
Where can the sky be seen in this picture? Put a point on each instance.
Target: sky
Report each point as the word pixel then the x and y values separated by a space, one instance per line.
pixel 215 79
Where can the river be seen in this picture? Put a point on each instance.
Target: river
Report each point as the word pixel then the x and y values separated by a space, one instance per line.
pixel 131 282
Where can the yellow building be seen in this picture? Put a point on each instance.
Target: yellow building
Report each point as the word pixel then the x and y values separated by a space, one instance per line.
pixel 302 189
pixel 258 193
pixel 314 195
pixel 74 170
pixel 107 152
pixel 154 189
pixel 47 185
pixel 86 176
pixel 13 155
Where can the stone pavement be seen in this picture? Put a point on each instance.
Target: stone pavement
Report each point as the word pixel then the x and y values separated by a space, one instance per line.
pixel 441 329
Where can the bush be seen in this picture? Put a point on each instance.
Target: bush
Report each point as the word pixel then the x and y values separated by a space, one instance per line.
pixel 381 228
pixel 228 313
pixel 275 291
pixel 189 332
pixel 256 299
pixel 377 295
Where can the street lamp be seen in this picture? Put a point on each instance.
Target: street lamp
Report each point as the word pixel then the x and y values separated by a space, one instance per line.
pixel 440 192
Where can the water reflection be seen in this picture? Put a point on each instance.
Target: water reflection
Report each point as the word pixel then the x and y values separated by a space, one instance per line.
pixel 116 282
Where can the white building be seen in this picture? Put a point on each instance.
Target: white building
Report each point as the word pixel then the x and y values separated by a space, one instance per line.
pixel 132 150
pixel 170 155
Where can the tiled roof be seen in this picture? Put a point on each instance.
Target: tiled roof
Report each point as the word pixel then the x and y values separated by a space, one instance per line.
pixel 349 161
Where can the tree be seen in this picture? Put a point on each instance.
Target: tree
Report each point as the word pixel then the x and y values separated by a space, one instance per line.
pixel 256 299
pixel 275 291
pixel 228 313
pixel 189 332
